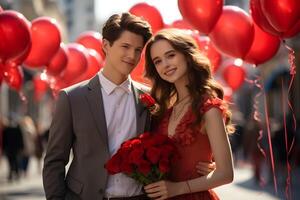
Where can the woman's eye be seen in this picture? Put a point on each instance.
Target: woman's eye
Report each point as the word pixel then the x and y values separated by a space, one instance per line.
pixel 157 62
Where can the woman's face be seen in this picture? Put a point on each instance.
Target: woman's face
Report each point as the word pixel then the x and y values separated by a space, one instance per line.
pixel 170 64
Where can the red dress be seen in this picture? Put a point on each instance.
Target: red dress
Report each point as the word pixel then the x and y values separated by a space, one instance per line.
pixel 192 146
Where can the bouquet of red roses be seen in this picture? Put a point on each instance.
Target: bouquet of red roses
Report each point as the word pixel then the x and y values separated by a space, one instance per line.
pixel 145 158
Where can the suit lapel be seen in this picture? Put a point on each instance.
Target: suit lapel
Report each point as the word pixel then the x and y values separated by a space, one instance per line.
pixel 141 111
pixel 94 97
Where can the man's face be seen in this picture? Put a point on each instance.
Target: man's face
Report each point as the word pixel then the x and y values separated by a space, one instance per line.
pixel 124 54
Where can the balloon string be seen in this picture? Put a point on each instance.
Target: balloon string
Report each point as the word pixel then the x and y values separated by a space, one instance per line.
pixel 23 97
pixel 288 179
pixel 270 141
pixel 257 118
pixel 24 100
pixel 291 60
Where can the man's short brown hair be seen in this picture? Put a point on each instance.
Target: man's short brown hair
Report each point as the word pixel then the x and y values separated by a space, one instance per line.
pixel 118 23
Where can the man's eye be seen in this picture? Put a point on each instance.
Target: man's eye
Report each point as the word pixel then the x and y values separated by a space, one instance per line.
pixel 171 55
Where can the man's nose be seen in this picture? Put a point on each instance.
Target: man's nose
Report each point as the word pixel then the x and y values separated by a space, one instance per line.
pixel 131 54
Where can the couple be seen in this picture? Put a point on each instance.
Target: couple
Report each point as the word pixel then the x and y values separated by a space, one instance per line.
pixel 93 118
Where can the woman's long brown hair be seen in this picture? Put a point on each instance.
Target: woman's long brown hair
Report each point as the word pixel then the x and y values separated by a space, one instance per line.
pixel 201 83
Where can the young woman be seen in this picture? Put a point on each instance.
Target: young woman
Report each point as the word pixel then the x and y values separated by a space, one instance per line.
pixel 191 112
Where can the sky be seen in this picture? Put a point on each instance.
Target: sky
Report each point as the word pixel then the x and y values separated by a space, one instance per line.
pixel 167 8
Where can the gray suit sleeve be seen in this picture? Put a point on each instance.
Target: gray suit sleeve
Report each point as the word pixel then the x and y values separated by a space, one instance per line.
pixel 58 149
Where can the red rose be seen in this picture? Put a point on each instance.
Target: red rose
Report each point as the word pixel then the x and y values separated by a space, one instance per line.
pixel 124 152
pixel 144 167
pixel 126 144
pixel 136 155
pixel 160 139
pixel 126 167
pixel 164 165
pixel 145 158
pixel 149 143
pixel 135 143
pixel 153 154
pixel 145 136
pixel 147 100
pixel 113 165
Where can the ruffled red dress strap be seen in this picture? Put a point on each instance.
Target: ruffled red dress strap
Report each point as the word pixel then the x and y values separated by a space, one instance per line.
pixel 213 103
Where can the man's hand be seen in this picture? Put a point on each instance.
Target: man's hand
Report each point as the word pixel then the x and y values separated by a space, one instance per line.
pixel 205 168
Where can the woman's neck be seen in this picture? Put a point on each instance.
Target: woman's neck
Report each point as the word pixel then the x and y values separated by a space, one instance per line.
pixel 182 91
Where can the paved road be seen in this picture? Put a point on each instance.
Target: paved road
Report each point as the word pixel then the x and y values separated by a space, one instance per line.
pixel 243 187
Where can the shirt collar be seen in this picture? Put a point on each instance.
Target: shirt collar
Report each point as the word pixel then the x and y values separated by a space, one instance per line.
pixel 109 86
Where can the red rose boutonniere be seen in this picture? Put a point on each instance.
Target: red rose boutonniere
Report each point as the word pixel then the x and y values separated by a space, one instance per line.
pixel 148 101
pixel 146 158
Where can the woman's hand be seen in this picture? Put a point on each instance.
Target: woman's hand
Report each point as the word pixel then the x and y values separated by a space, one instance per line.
pixel 205 168
pixel 163 189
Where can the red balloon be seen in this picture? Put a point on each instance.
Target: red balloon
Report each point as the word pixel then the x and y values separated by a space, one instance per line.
pixel 182 24
pixel 293 31
pixel 58 62
pixel 1 73
pixel 77 63
pixel 259 18
pixel 95 63
pixel 263 48
pixel 15 35
pixel 20 58
pixel 149 13
pixel 234 76
pixel 138 72
pixel 234 32
pixel 13 76
pixel 40 87
pixel 281 14
pixel 91 40
pixel 202 14
pixel 56 84
pixel 46 40
pixel 208 49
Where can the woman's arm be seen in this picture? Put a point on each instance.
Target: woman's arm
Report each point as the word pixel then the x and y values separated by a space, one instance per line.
pixel 223 174
pixel 219 142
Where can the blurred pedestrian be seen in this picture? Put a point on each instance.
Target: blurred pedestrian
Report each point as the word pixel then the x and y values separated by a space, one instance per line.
pixel 12 147
pixel 29 136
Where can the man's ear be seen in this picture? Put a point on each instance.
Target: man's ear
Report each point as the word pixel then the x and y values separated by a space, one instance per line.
pixel 105 45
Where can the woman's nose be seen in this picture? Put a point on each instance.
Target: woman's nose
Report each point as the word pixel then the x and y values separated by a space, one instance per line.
pixel 165 63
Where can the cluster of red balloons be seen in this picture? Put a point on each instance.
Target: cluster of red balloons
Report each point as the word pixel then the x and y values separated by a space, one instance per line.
pixel 37 45
pixel 15 45
pixel 254 38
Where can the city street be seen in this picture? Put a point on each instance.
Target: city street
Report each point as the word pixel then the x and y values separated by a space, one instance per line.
pixel 243 187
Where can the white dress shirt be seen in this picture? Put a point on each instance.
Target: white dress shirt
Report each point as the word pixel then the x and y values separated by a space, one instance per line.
pixel 120 114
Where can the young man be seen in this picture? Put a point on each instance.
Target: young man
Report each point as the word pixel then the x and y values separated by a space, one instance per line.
pixel 94 117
